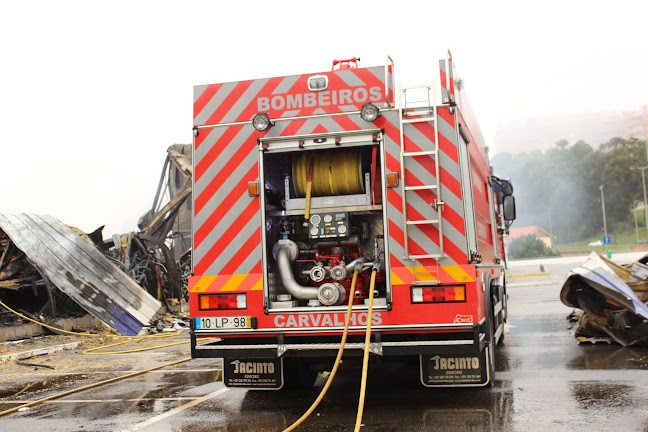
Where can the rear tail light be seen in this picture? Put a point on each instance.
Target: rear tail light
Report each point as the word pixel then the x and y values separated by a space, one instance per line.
pixel 222 301
pixel 439 294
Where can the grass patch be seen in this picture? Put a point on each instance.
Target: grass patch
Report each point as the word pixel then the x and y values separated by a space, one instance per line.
pixel 622 241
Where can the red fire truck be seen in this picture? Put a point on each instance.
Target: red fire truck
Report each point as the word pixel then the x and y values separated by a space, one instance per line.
pixel 302 182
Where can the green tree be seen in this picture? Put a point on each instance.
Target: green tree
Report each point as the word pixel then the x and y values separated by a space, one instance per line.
pixel 560 186
pixel 529 246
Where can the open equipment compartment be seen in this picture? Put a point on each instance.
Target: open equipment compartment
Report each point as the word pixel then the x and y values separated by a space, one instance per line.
pixel 310 261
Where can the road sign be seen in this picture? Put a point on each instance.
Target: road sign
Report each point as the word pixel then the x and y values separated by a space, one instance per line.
pixel 606 240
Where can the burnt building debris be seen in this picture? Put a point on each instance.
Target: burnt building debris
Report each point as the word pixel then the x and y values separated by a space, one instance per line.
pixel 169 218
pixel 49 270
pixel 612 300
pixel 75 266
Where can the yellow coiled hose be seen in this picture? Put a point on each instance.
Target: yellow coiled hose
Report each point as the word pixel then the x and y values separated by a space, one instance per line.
pixel 335 172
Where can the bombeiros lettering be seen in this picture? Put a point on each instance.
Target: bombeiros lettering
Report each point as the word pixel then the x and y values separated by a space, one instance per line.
pixel 288 102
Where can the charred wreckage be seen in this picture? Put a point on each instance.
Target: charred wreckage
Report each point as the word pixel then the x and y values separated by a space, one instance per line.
pixel 49 270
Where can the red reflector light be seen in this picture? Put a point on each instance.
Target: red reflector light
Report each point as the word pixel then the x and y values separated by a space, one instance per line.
pixel 222 301
pixel 439 294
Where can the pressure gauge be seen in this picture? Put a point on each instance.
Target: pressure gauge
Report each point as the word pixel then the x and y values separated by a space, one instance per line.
pixel 314 231
pixel 342 229
pixel 328 218
pixel 316 219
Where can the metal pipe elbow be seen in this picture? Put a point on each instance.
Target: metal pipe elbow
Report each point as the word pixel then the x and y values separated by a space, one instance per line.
pixel 285 251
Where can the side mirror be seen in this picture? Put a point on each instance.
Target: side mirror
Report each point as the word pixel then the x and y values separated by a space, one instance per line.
pixel 507 189
pixel 509 207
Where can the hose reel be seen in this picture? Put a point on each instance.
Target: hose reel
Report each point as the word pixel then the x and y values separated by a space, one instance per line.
pixel 334 172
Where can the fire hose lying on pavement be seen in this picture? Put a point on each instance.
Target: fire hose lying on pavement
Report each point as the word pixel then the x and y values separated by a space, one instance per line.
pixel 613 300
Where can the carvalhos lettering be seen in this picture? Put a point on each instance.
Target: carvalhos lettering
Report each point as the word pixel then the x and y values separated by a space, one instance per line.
pixel 325 320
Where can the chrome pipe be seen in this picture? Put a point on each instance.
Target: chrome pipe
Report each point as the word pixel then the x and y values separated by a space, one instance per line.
pixel 282 252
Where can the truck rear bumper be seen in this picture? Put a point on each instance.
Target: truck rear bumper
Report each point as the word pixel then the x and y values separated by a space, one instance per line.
pixel 471 342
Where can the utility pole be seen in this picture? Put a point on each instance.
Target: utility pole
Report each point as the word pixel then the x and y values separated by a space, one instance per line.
pixel 550 227
pixel 606 239
pixel 643 181
pixel 634 212
pixel 603 207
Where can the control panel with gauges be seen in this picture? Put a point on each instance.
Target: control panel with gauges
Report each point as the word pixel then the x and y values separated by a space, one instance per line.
pixel 328 225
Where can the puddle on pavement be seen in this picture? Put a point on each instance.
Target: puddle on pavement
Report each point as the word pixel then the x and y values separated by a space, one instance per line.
pixel 432 409
pixel 504 361
pixel 27 390
pixel 599 395
pixel 168 385
pixel 610 357
pixel 135 395
pixel 156 385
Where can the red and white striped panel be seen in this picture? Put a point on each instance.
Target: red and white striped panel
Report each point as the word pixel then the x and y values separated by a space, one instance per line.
pixel 424 239
pixel 447 71
pixel 480 175
pixel 227 222
pixel 289 96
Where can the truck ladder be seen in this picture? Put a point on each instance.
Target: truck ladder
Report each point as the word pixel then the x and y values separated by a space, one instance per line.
pixel 420 111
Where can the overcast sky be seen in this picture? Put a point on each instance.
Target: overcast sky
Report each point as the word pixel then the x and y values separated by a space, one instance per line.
pixel 93 93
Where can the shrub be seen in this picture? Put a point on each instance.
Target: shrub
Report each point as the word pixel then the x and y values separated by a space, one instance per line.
pixel 529 246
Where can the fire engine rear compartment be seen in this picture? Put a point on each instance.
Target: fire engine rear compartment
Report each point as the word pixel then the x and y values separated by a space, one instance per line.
pixel 323 209
pixel 310 259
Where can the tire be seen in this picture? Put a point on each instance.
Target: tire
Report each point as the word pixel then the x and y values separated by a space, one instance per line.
pixel 499 294
pixel 490 339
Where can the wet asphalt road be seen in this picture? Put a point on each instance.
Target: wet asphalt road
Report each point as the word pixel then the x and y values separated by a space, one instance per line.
pixel 544 381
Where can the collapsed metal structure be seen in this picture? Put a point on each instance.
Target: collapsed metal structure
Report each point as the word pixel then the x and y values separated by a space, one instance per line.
pixel 50 270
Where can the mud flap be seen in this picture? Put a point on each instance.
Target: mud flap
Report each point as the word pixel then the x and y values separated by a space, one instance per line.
pixel 455 370
pixel 253 373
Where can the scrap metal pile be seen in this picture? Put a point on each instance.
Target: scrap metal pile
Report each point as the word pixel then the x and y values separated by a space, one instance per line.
pixel 613 300
pixel 50 270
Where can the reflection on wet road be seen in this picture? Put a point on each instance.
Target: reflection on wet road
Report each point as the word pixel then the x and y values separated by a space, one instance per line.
pixel 545 381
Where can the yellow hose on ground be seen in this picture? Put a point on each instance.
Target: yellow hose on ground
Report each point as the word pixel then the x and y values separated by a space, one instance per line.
pixel 87 387
pixel 337 359
pixel 161 335
pixel 365 360
pixel 91 350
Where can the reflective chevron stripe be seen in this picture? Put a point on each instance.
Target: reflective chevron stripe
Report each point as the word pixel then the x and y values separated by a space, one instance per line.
pixel 424 239
pixel 226 283
pixel 447 274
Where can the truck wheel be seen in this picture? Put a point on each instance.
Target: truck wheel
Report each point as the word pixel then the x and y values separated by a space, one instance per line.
pixel 297 374
pixel 499 294
pixel 490 339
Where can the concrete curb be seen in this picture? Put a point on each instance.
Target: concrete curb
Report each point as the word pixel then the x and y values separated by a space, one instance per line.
pixel 26 331
pixel 529 284
pixel 40 351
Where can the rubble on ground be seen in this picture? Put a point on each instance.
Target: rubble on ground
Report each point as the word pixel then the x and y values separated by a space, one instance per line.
pixel 156 261
pixel 612 300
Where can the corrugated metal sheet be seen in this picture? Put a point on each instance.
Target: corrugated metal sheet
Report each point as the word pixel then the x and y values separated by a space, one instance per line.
pixel 81 271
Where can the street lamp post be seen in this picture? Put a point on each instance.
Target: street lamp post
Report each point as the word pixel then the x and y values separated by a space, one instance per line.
pixel 603 207
pixel 634 212
pixel 643 181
